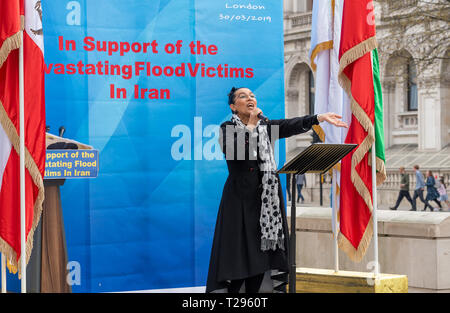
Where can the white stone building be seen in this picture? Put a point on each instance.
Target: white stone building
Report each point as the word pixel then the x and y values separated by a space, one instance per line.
pixel 415 89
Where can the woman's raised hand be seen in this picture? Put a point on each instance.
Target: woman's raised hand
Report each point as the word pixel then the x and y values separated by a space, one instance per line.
pixel 332 118
pixel 253 119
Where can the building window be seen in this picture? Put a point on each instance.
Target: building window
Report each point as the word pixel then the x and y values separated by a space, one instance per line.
pixel 311 92
pixel 288 6
pixel 412 86
pixel 299 6
pixel 296 6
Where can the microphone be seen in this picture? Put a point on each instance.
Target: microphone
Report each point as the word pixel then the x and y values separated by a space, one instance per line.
pixel 263 117
pixel 62 129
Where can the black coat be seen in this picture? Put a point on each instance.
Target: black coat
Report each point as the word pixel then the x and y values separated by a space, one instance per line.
pixel 236 252
pixel 432 193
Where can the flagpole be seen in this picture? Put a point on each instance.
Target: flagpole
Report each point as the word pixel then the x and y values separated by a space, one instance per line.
pixel 3 273
pixel 336 249
pixel 374 211
pixel 22 169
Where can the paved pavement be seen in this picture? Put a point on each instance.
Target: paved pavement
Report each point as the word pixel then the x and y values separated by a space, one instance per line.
pixel 403 206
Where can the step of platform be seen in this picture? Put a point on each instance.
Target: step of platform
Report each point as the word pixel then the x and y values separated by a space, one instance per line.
pixel 312 280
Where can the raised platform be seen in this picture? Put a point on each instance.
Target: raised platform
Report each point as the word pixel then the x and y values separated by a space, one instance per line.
pixel 312 280
pixel 415 244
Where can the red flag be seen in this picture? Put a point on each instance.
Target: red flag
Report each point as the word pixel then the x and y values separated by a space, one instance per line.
pixel 12 12
pixel 356 77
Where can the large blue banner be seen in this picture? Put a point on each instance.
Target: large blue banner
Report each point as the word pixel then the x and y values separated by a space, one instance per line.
pixel 145 83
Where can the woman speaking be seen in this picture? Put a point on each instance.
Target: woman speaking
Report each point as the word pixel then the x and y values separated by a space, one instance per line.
pixel 250 245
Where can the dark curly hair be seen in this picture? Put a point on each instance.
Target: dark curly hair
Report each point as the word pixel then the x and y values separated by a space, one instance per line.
pixel 231 94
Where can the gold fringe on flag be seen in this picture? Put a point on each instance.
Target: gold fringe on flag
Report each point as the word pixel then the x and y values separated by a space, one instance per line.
pixel 356 255
pixel 349 57
pixel 327 45
pixel 33 170
pixel 381 169
pixel 9 44
pixel 12 42
pixel 12 268
pixel 319 131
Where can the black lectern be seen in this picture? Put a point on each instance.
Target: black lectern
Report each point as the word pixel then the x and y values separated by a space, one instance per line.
pixel 317 158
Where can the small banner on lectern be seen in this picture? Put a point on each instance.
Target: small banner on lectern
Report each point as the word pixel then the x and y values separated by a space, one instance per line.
pixel 61 164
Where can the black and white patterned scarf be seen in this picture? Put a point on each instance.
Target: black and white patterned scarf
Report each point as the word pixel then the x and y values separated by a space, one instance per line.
pixel 270 220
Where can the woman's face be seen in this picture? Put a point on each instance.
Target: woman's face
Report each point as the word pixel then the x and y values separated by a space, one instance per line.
pixel 244 102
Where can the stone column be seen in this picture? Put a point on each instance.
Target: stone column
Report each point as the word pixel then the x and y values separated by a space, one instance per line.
pixel 388 109
pixel 429 114
pixel 444 92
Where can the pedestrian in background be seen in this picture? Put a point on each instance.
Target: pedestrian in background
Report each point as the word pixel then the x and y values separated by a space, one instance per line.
pixel 288 186
pixel 443 192
pixel 432 193
pixel 404 190
pixel 301 181
pixel 420 187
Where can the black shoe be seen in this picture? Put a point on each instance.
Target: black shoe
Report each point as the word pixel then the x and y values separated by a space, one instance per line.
pixel 393 208
pixel 413 210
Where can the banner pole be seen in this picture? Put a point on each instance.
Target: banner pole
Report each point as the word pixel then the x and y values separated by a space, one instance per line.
pixel 3 273
pixel 293 239
pixel 334 212
pixel 374 211
pixel 22 169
